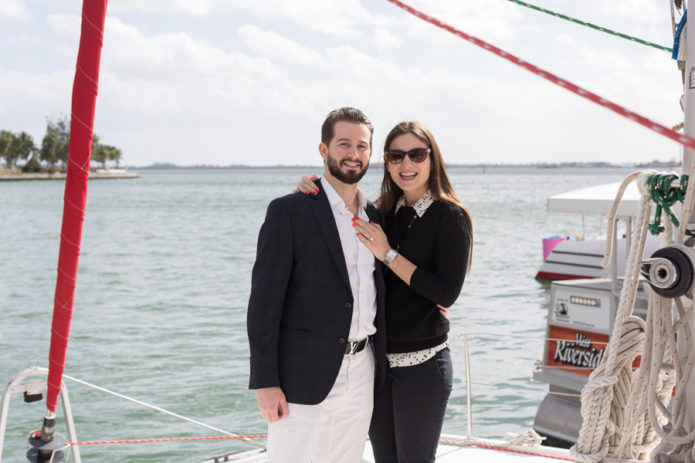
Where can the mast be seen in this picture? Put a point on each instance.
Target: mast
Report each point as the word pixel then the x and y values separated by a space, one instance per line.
pixel 84 95
pixel 48 444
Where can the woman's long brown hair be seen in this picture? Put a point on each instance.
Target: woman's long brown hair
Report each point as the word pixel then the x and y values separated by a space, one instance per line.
pixel 439 183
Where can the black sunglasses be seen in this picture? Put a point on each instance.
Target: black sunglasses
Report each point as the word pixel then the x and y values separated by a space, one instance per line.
pixel 415 155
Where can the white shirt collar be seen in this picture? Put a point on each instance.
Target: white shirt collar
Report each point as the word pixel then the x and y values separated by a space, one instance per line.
pixel 420 205
pixel 334 198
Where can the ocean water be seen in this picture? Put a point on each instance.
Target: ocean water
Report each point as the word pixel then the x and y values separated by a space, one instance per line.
pixel 164 280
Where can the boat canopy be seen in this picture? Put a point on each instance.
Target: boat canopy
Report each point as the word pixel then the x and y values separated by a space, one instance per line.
pixel 596 200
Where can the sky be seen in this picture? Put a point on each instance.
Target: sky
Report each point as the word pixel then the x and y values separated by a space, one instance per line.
pixel 228 82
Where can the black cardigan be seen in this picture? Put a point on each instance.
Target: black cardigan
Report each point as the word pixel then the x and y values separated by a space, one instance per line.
pixel 438 243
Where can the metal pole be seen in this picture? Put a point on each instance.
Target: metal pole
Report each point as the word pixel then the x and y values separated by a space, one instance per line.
pixel 468 387
pixel 628 236
pixel 689 93
pixel 688 159
pixel 15 386
pixel 615 294
pixel 67 411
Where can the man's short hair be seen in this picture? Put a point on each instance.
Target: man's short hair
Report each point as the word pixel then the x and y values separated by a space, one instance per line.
pixel 346 114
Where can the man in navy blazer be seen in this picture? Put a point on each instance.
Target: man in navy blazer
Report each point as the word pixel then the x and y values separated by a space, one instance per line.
pixel 316 313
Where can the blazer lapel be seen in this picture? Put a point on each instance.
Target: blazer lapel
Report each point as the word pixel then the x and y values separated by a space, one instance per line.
pixel 373 213
pixel 326 221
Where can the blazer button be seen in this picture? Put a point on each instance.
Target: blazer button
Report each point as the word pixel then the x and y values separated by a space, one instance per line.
pixel 341 341
pixel 348 305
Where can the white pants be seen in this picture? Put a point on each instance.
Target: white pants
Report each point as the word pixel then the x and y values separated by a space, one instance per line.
pixel 335 430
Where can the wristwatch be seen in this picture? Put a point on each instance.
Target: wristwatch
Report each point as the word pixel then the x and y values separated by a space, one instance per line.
pixel 391 254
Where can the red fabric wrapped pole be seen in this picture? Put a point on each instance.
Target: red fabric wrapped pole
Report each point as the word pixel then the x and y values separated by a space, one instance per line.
pixel 84 98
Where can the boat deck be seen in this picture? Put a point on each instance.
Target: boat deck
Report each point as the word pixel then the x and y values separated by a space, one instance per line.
pixel 477 450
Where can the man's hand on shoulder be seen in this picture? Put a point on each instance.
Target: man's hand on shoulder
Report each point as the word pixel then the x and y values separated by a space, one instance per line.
pixel 272 403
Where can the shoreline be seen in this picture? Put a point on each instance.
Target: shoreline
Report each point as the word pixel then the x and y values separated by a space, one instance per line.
pixel 63 175
pixel 379 163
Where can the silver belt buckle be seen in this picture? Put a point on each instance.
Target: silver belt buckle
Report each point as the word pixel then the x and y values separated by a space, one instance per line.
pixel 353 347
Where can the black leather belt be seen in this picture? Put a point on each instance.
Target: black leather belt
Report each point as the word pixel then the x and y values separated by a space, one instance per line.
pixel 353 347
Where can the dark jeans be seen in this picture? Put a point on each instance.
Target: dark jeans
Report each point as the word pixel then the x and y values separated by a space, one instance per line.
pixel 409 411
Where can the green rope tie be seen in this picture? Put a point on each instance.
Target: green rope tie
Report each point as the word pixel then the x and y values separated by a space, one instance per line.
pixel 593 26
pixel 664 197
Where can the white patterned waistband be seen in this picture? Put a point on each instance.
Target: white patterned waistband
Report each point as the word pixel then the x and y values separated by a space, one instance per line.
pixel 409 359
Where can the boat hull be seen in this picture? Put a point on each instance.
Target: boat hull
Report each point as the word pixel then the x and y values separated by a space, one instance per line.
pixel 578 259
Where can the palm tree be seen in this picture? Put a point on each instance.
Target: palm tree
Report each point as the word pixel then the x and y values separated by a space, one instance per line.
pixel 13 147
pixel 98 154
pixel 50 148
pixel 25 146
pixel 6 142
pixel 114 154
pixel 102 153
pixel 54 146
pixel 109 153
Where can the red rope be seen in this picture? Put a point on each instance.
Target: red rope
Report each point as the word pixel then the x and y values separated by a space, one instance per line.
pixel 165 439
pixel 260 436
pixel 535 454
pixel 651 125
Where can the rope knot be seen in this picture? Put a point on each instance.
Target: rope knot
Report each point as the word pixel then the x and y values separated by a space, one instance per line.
pixel 664 197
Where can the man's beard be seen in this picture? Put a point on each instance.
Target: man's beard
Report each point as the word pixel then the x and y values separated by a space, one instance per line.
pixel 349 177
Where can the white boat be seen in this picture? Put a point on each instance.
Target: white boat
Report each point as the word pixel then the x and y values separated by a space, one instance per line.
pixel 581 258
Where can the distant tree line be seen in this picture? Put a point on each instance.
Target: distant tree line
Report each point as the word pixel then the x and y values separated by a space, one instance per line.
pixel 53 150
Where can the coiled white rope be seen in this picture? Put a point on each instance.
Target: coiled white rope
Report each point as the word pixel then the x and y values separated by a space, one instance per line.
pixel 625 411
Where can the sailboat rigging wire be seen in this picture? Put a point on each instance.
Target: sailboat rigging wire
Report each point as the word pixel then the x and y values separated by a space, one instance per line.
pixel 593 26
pixel 161 410
pixel 684 140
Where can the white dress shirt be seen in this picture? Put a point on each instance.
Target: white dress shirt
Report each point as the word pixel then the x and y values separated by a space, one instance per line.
pixel 359 261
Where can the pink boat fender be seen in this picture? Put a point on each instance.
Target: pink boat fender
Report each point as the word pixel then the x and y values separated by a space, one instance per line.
pixel 549 244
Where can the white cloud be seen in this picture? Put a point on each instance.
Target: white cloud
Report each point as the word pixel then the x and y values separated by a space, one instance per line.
pixel 489 21
pixel 169 7
pixel 14 9
pixel 29 98
pixel 65 35
pixel 605 59
pixel 639 10
pixel 566 40
pixel 333 17
pixel 386 40
pixel 276 46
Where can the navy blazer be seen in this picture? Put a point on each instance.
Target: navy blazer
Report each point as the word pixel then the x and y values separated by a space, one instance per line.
pixel 300 308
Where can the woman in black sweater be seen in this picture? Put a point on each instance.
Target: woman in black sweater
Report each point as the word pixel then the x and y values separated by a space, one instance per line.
pixel 426 248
